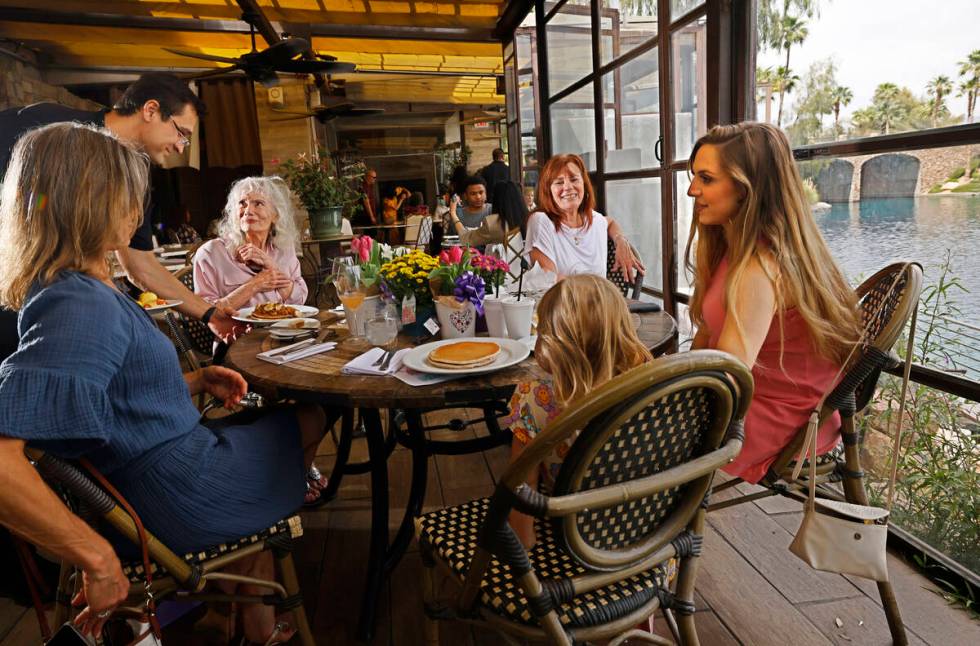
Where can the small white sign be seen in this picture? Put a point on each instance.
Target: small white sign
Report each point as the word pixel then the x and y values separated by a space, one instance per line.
pixel 432 326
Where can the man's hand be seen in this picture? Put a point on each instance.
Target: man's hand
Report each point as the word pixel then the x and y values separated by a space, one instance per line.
pixel 101 592
pixel 224 384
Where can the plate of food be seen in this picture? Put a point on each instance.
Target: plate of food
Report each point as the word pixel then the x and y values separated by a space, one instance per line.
pixel 466 357
pixel 291 328
pixel 152 303
pixel 269 313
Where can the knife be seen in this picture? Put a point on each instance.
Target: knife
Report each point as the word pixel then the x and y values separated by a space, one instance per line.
pixel 292 346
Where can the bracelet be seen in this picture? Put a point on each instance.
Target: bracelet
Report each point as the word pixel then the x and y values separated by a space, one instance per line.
pixel 206 317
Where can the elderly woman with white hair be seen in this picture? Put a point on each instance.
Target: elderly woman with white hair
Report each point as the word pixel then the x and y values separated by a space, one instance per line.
pixel 253 260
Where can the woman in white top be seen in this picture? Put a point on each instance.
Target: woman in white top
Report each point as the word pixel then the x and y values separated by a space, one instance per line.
pixel 567 236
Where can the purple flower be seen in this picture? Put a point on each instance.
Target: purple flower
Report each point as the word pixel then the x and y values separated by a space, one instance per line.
pixel 470 287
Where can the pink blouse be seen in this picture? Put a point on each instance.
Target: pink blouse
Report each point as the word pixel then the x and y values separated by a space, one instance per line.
pixel 217 273
pixel 785 393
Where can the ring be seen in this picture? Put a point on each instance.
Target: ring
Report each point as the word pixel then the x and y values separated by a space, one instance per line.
pixel 104 613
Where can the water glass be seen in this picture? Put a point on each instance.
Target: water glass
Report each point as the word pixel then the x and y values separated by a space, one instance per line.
pixel 382 331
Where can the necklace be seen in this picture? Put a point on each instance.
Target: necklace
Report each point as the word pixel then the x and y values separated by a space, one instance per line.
pixel 575 233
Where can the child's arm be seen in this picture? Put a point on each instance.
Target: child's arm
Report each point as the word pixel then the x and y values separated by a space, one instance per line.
pixel 523 524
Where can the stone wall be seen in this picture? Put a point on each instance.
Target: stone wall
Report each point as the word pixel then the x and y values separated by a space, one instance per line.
pixel 889 175
pixel 938 163
pixel 21 84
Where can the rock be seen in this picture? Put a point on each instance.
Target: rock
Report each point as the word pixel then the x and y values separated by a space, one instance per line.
pixel 820 207
pixel 948 186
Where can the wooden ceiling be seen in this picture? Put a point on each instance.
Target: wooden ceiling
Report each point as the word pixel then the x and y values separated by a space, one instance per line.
pixel 449 44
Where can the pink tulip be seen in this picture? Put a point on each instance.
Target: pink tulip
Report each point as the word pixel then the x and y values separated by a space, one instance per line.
pixel 455 255
pixel 444 257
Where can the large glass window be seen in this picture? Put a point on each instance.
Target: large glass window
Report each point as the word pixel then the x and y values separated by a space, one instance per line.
pixel 688 47
pixel 846 70
pixel 528 117
pixel 573 125
pixel 569 34
pixel 682 229
pixel 680 7
pixel 631 97
pixel 635 205
pixel 625 26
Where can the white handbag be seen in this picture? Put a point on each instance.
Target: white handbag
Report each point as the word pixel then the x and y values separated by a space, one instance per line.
pixel 838 536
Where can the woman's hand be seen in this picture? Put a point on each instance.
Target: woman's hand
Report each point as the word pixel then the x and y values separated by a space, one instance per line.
pixel 101 592
pixel 268 280
pixel 224 384
pixel 248 253
pixel 626 260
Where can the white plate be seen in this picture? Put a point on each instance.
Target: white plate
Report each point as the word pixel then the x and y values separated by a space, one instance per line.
pixel 166 306
pixel 174 254
pixel 245 315
pixel 285 329
pixel 511 353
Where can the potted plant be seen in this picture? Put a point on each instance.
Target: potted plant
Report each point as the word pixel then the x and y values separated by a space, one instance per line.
pixel 324 193
pixel 405 279
pixel 458 293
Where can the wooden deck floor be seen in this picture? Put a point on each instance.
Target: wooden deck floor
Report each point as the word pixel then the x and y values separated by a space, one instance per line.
pixel 751 589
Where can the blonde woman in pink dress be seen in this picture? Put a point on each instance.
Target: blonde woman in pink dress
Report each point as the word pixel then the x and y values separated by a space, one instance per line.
pixel 253 259
pixel 766 288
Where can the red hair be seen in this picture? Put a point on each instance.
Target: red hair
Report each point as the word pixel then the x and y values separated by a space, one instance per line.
pixel 546 203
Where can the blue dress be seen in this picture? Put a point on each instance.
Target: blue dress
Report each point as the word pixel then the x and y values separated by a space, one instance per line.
pixel 93 376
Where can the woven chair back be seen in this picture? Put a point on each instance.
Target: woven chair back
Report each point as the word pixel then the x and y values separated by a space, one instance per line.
pixel 200 335
pixel 662 427
pixel 885 310
pixel 617 278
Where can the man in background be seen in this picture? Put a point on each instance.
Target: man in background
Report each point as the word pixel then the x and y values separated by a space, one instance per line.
pixel 158 114
pixel 496 171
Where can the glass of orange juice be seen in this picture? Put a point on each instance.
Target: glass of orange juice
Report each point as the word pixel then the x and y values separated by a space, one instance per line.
pixel 350 290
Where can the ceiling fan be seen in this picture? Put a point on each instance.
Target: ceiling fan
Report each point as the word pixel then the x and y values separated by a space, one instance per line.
pixel 263 66
pixel 324 113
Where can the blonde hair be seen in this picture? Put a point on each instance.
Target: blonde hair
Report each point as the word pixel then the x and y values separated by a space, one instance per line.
pixel 68 188
pixel 585 336
pixel 773 215
pixel 284 232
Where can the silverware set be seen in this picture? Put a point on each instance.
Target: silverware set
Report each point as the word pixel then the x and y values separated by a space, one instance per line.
pixel 384 361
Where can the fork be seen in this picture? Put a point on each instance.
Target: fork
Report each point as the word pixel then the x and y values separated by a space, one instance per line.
pixel 387 362
pixel 381 359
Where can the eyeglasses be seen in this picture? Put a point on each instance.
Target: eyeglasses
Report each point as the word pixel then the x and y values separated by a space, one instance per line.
pixel 185 139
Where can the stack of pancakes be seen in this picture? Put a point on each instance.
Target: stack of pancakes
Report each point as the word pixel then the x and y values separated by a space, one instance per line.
pixel 463 355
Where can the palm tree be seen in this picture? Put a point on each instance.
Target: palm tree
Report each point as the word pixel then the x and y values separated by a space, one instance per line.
pixel 783 80
pixel 790 31
pixel 939 87
pixel 771 13
pixel 970 70
pixel 969 88
pixel 840 95
pixel 890 110
pixel 764 87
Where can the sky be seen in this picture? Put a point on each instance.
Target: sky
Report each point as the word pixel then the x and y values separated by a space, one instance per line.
pixel 906 42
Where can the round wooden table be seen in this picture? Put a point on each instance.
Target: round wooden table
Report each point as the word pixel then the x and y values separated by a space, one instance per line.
pixel 320 379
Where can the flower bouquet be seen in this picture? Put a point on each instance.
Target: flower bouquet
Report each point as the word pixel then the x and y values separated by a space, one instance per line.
pixel 458 293
pixel 371 256
pixel 491 269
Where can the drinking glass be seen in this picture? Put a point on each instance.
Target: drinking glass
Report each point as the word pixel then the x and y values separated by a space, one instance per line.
pixel 383 329
pixel 350 290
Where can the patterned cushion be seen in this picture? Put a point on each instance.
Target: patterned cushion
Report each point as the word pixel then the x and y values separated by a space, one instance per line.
pixel 292 526
pixel 453 534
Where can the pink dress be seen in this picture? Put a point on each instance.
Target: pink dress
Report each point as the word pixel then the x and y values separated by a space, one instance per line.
pixel 217 273
pixel 784 394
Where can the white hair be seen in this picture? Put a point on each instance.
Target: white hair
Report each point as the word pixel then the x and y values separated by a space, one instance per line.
pixel 283 234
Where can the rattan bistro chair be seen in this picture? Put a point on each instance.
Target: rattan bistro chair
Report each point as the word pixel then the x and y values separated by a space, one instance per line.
pixel 630 496
pixel 883 322
pixel 173 576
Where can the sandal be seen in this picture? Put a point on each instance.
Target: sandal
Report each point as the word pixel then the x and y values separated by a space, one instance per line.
pixel 316 479
pixel 312 498
pixel 281 634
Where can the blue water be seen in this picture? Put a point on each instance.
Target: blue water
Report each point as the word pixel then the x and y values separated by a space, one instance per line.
pixel 864 236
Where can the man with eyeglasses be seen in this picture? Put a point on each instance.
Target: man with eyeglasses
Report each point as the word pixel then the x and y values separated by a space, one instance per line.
pixel 158 113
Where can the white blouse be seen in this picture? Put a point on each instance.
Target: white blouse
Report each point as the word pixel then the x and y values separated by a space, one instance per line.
pixel 581 250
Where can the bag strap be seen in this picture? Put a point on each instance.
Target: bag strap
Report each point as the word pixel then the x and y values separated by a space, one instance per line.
pixel 810 439
pixel 144 549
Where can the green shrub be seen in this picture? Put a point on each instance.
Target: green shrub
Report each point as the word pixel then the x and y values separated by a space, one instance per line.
pixel 956 174
pixel 972 187
pixel 936 188
pixel 810 190
pixel 974 165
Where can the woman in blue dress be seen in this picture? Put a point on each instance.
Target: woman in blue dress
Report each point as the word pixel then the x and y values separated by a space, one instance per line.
pixel 94 377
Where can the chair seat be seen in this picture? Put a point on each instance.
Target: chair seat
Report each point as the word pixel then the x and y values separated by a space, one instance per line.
pixel 291 526
pixel 826 462
pixel 453 534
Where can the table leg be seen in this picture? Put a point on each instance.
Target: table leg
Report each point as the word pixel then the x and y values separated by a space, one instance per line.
pixel 379 524
pixel 384 556
pixel 343 454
